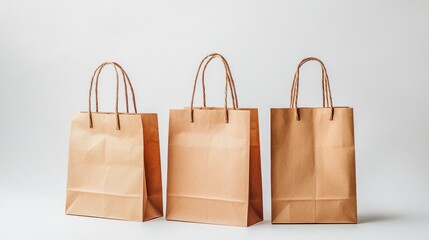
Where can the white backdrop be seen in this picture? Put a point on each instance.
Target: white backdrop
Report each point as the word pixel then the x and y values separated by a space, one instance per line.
pixel 376 53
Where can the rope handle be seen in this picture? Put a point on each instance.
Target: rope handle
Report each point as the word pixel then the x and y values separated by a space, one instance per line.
pixel 228 82
pixel 229 76
pixel 126 80
pixel 326 89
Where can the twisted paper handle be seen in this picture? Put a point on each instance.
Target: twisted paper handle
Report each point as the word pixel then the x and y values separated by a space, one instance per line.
pixel 326 88
pixel 126 80
pixel 228 82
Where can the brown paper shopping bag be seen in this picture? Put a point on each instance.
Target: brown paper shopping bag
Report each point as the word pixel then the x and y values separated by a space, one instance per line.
pixel 114 161
pixel 214 170
pixel 313 160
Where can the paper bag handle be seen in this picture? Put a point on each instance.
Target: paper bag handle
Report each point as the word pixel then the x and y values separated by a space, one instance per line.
pixel 229 76
pixel 326 89
pixel 228 82
pixel 126 80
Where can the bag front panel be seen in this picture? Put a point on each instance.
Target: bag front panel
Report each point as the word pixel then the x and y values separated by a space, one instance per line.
pixel 208 166
pixel 313 166
pixel 105 172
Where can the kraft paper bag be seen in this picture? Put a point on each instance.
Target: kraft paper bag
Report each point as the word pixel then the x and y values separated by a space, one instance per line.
pixel 313 160
pixel 114 161
pixel 214 169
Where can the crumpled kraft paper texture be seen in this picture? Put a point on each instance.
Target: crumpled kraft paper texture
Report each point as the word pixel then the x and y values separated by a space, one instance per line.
pixel 114 173
pixel 214 171
pixel 313 166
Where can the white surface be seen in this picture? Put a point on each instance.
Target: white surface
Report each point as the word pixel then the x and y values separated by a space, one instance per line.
pixel 41 217
pixel 376 53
